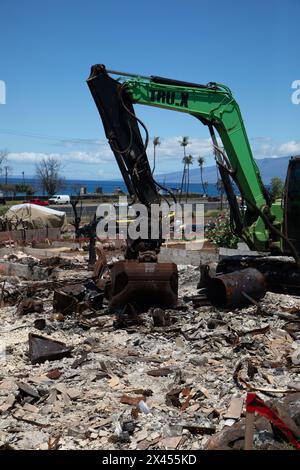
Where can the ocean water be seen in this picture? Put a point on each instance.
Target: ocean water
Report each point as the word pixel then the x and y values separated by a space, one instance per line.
pixel 108 186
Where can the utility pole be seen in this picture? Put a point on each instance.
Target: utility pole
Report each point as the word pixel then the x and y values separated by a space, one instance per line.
pixel 23 177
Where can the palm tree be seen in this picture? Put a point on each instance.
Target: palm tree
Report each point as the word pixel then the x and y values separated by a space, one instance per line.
pixel 184 142
pixel 156 142
pixel 188 160
pixel 201 161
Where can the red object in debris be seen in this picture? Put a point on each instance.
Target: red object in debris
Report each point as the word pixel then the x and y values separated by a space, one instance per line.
pixel 38 202
pixel 256 404
pixel 54 374
pixel 134 401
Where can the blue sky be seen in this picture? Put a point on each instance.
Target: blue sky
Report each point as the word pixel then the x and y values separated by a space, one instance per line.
pixel 47 49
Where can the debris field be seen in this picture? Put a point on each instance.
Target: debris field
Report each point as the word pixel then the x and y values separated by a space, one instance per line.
pixel 75 375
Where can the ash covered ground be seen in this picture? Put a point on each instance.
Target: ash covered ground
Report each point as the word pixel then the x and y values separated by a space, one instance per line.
pixel 133 385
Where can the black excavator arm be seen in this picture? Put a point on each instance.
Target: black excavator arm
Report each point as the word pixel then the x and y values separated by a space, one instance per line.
pixel 123 134
pixel 139 280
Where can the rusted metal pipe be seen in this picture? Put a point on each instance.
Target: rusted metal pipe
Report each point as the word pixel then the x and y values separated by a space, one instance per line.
pixel 226 290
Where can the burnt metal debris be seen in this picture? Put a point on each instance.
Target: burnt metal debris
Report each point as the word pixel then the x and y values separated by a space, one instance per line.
pixel 280 272
pixel 161 317
pixel 39 323
pixel 69 299
pixel 29 305
pixel 145 284
pixel 43 349
pixel 227 290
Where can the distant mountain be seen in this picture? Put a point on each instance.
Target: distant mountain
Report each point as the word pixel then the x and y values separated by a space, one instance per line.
pixel 268 167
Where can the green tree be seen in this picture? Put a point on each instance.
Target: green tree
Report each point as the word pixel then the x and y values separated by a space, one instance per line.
pixel 220 232
pixel 277 186
pixel 201 161
pixel 25 189
pixel 156 142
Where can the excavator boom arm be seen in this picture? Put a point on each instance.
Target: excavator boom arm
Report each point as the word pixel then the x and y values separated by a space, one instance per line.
pixel 214 105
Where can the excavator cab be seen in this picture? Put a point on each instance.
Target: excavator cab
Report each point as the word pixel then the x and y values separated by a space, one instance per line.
pixel 291 203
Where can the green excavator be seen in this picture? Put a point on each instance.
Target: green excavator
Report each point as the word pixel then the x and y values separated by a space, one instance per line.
pixel 267 226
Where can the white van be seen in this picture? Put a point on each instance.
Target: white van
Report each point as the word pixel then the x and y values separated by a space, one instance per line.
pixel 59 199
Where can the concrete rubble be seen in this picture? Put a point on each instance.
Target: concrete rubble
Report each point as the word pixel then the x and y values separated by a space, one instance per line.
pixel 163 379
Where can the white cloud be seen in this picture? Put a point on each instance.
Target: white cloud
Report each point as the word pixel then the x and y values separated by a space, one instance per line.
pixel 290 148
pixel 170 148
pixel 81 157
pixel 264 147
pixel 90 162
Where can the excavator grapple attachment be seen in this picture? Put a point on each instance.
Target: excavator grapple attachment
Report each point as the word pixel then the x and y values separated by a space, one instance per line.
pixel 143 284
